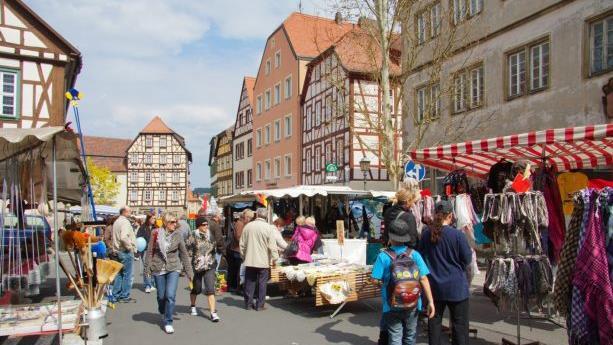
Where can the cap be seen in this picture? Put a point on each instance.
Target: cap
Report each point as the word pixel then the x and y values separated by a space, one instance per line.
pixel 402 231
pixel 201 221
pixel 443 206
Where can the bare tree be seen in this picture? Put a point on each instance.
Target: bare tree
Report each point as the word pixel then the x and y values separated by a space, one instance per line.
pixel 427 35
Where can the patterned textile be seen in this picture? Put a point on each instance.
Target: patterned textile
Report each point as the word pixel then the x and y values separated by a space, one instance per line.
pixel 591 275
pixel 578 319
pixel 568 256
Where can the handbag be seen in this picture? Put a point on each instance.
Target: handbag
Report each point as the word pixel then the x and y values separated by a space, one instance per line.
pixel 291 250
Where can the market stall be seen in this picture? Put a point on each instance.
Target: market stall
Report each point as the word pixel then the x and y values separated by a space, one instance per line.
pixel 525 211
pixel 38 167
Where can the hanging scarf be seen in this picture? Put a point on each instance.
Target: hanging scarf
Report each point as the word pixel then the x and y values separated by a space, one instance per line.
pixel 163 242
pixel 591 275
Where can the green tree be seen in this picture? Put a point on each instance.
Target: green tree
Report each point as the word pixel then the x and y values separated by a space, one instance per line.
pixel 104 185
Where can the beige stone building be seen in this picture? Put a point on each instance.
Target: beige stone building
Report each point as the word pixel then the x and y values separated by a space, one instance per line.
pixel 516 66
pixel 158 170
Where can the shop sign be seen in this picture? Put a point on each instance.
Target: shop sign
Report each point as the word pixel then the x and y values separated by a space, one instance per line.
pixel 331 168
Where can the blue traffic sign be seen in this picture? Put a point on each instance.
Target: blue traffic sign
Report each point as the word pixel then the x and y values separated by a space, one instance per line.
pixel 416 171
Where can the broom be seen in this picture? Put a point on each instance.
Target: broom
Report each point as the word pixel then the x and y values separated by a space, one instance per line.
pixel 106 271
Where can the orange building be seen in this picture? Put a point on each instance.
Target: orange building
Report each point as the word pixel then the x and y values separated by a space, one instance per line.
pixel 276 121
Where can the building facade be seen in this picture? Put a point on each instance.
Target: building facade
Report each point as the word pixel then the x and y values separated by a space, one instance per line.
pixel 520 66
pixel 243 139
pixel 111 153
pixel 221 183
pixel 37 66
pixel 341 114
pixel 276 119
pixel 158 170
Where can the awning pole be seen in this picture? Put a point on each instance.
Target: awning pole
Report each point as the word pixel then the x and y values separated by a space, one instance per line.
pixel 56 241
pixel 300 205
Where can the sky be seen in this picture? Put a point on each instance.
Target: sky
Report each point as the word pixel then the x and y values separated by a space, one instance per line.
pixel 183 60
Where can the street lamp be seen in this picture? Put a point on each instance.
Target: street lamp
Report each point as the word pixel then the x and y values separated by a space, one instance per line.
pixel 365 168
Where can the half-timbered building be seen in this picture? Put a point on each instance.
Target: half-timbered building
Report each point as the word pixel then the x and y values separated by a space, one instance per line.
pixel 158 170
pixel 37 66
pixel 243 139
pixel 222 159
pixel 276 119
pixel 341 114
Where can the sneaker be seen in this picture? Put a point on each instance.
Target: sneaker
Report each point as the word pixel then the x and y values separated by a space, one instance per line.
pixel 194 311
pixel 153 288
pixel 147 290
pixel 214 317
pixel 169 329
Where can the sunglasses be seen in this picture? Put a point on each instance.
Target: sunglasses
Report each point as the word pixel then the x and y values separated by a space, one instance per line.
pixel 172 222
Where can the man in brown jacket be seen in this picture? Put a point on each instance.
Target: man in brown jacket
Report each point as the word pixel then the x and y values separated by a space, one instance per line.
pixel 233 255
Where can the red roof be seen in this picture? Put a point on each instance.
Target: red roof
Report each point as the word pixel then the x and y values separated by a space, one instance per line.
pixel 249 84
pixel 360 53
pixel 311 35
pixel 157 126
pixel 107 152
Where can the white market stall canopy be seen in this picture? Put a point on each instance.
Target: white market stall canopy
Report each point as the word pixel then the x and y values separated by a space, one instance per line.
pixel 17 143
pixel 564 148
pixel 100 210
pixel 303 190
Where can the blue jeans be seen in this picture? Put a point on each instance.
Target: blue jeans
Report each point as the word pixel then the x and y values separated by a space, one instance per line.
pixel 167 291
pixel 123 281
pixel 401 326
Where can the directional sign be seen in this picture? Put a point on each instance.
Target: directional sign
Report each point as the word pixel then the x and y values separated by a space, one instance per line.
pixel 331 168
pixel 416 171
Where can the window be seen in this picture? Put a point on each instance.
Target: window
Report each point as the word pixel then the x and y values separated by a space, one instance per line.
pixel 258 137
pixel 277 130
pixel 308 162
pixel 175 195
pixel 421 27
pixel 435 20
pixel 288 87
pixel 288 165
pixel 133 177
pixel 259 104
pixel 267 170
pixel 468 89
pixel 539 71
pixel 176 177
pixel 133 195
pixel 277 59
pixel 532 58
pixel 147 195
pixel 162 195
pixel 249 178
pixel 148 141
pixel 267 99
pixel 464 9
pixel 278 167
pixel 163 159
pixel 176 159
pixel 317 158
pixel 237 180
pixel 317 114
pixel 288 126
pixel 162 177
pixel 9 92
pixel 133 159
pixel 236 152
pixel 267 67
pixel 340 152
pixel 428 101
pixel 475 7
pixel 249 147
pixel 163 142
pixel 148 159
pixel 267 134
pixel 277 94
pixel 601 45
pixel 258 171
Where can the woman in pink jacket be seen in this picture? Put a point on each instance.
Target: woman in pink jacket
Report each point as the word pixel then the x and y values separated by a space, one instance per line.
pixel 306 236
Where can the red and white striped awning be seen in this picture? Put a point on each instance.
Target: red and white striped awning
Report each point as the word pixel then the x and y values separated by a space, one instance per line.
pixel 564 148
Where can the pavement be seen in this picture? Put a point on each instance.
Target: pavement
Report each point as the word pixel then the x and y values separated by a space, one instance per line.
pixel 288 322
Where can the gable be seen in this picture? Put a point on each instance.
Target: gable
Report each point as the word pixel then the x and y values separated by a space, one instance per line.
pixel 22 31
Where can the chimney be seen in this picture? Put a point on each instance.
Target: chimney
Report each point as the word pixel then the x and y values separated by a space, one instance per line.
pixel 338 18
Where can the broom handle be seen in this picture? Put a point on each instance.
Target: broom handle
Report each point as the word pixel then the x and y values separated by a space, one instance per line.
pixel 70 278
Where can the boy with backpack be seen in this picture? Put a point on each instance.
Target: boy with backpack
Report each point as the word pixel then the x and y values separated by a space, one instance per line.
pixel 403 275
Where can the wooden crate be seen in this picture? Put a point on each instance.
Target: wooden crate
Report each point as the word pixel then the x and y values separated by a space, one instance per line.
pixel 359 284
